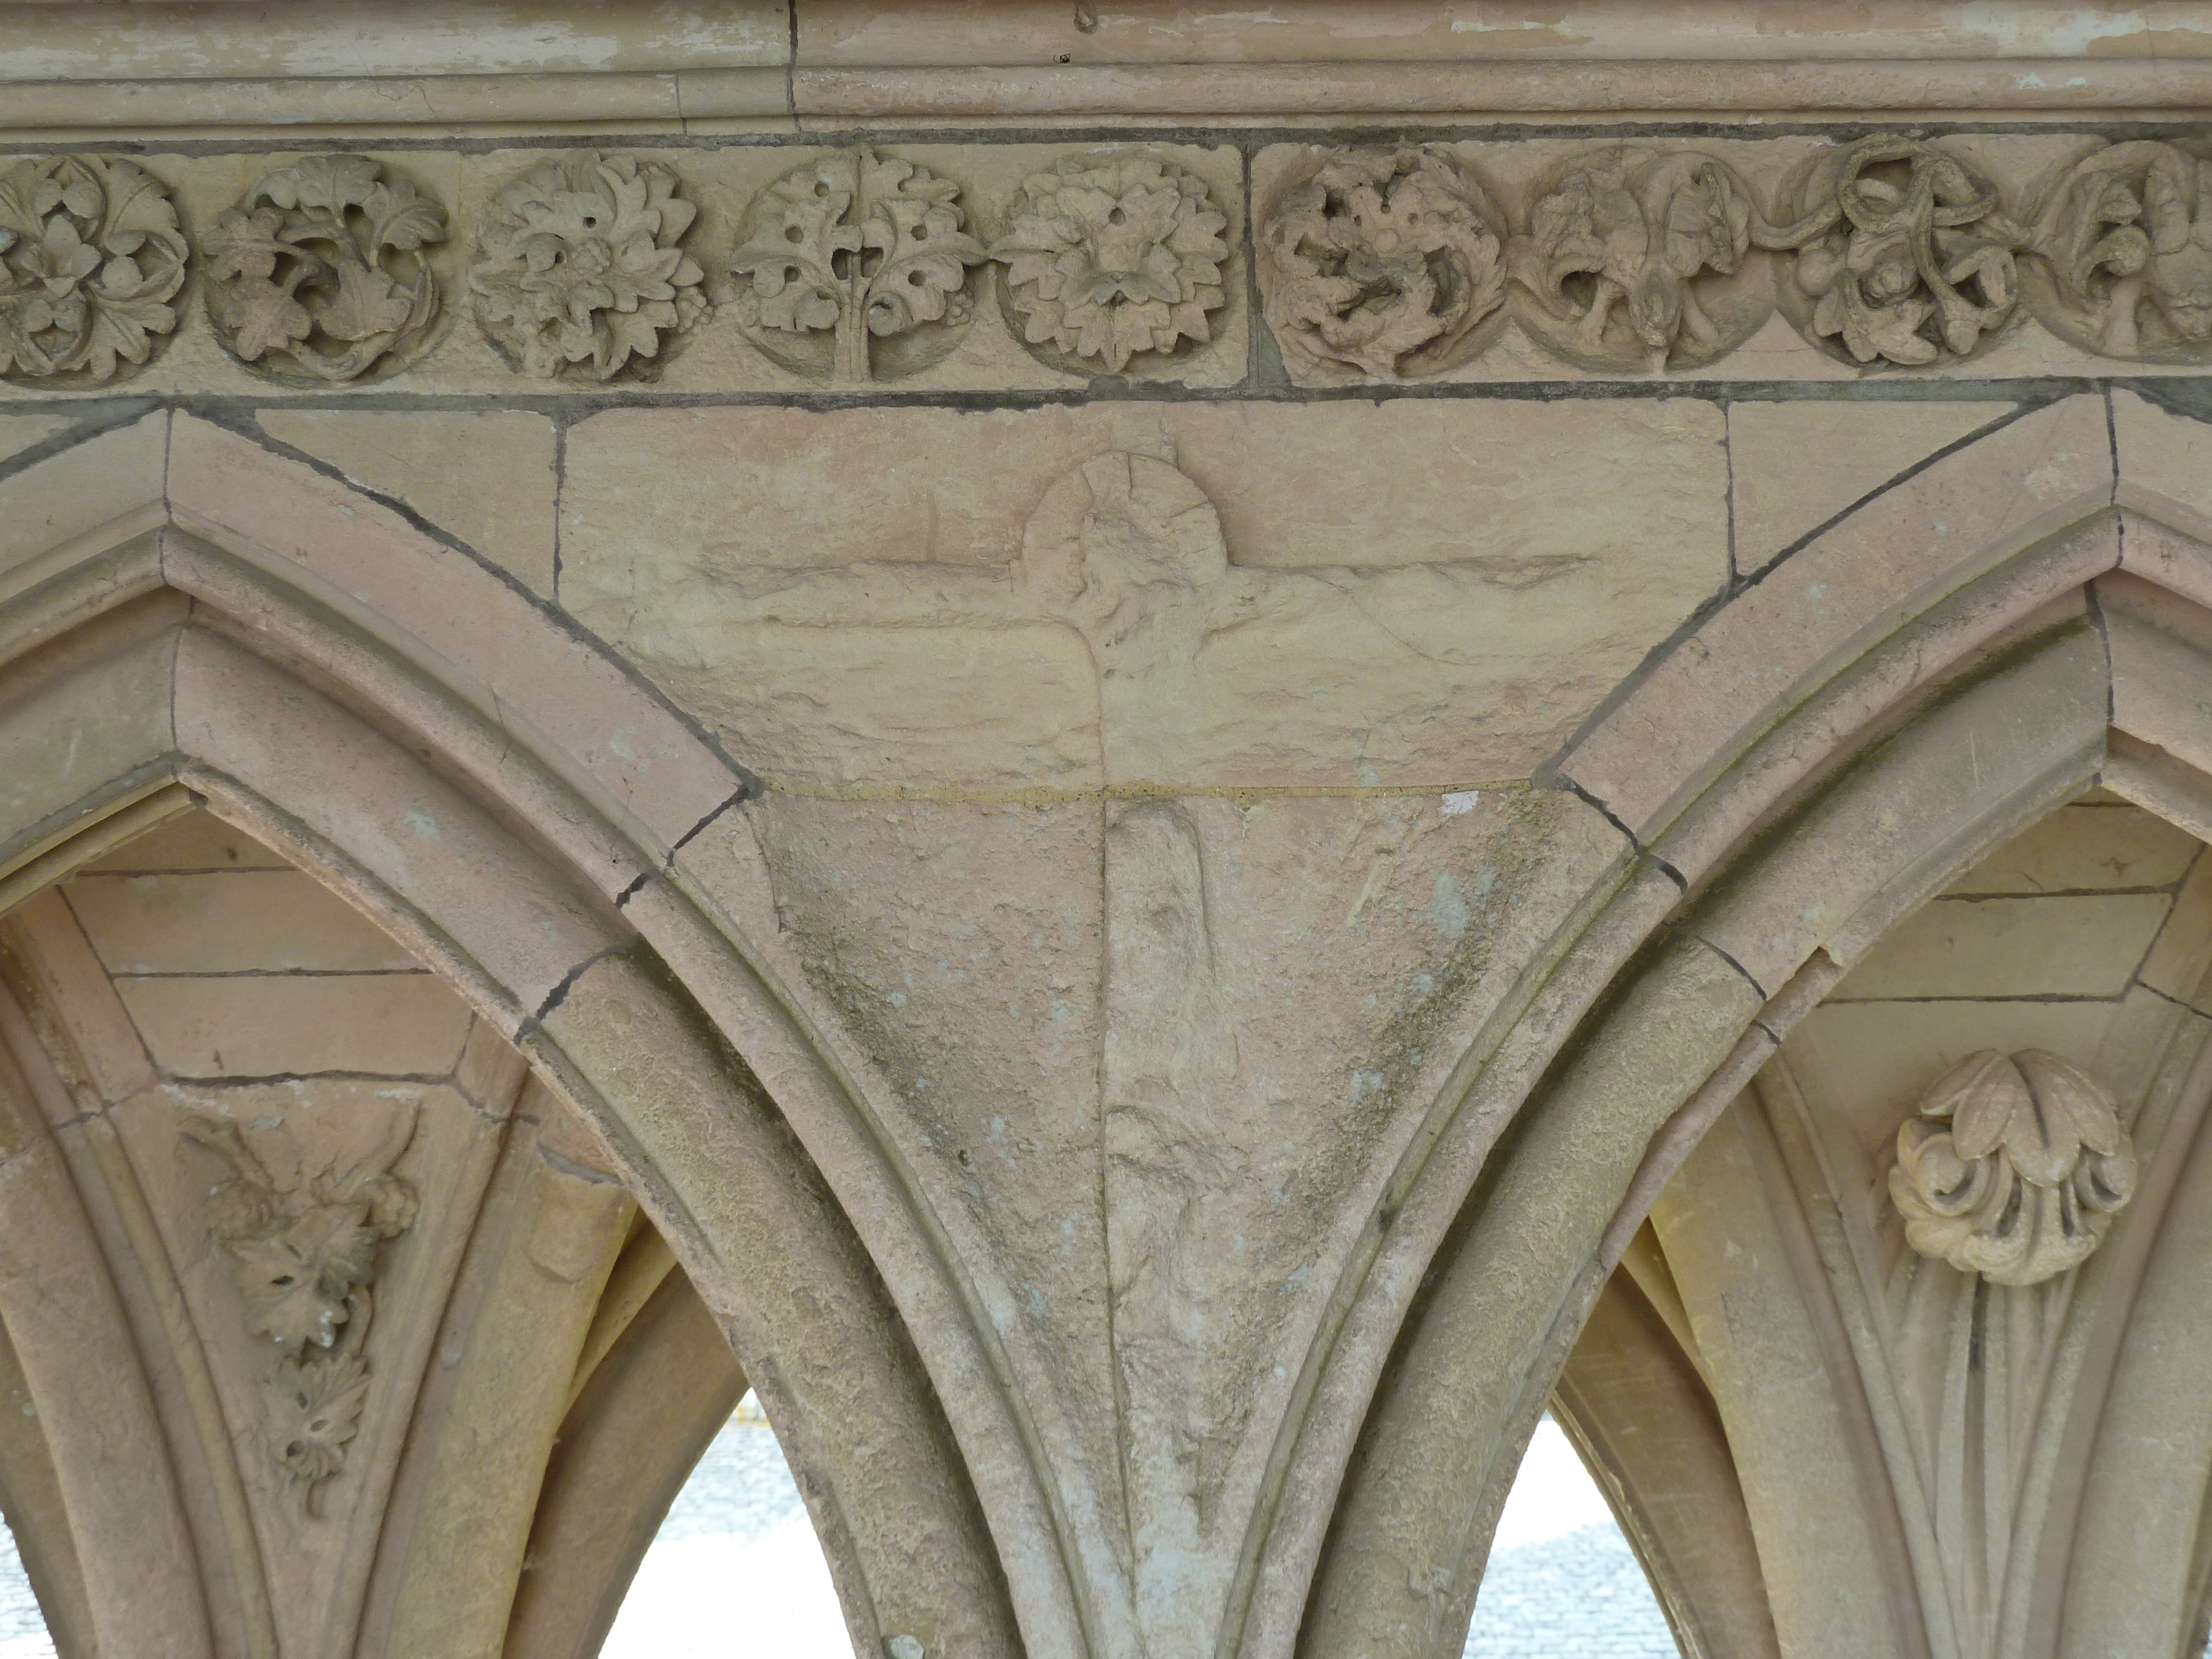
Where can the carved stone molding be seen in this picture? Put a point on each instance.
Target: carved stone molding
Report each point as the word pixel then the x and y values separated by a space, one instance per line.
pixel 1383 263
pixel 2014 1168
pixel 1905 253
pixel 1109 257
pixel 1640 258
pixel 318 275
pixel 580 270
pixel 90 255
pixel 2123 241
pixel 851 250
pixel 303 1240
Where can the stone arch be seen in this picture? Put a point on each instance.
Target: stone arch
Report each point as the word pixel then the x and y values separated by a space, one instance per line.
pixel 2015 621
pixel 180 606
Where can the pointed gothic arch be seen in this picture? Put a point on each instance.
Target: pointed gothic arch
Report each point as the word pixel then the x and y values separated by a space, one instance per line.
pixel 2021 618
pixel 184 610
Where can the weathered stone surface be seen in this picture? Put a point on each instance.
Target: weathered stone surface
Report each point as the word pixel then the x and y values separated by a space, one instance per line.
pixel 2086 848
pixel 1795 465
pixel 282 1024
pixel 1393 605
pixel 2078 945
pixel 486 478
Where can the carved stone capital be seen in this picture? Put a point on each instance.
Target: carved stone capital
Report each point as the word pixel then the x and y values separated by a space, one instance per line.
pixel 2013 1167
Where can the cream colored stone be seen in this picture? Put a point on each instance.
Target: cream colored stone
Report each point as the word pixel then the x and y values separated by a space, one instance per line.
pixel 107 487
pixel 487 477
pixel 405 1024
pixel 20 432
pixel 2071 947
pixel 228 921
pixel 193 840
pixel 1392 607
pixel 1795 465
pixel 2163 459
pixel 2085 848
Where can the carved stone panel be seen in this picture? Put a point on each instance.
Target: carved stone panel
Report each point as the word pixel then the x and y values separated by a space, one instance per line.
pixel 1386 264
pixel 581 269
pixel 90 255
pixel 2122 245
pixel 319 274
pixel 1113 257
pixel 1642 258
pixel 857 268
pixel 1905 253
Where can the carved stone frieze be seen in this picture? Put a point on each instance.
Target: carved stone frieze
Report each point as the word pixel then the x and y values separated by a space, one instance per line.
pixel 1109 257
pixel 580 270
pixel 1384 263
pixel 2122 246
pixel 858 267
pixel 319 273
pixel 1641 257
pixel 1905 253
pixel 303 1240
pixel 90 255
pixel 2014 1167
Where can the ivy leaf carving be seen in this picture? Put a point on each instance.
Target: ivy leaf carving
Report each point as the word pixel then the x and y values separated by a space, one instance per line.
pixel 367 304
pixel 399 217
pixel 333 183
pixel 268 320
pixel 247 244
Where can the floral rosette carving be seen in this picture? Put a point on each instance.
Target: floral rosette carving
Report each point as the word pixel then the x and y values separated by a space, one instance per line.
pixel 1904 254
pixel 1384 263
pixel 319 273
pixel 582 270
pixel 90 255
pixel 2013 1167
pixel 2122 241
pixel 1110 258
pixel 1629 258
pixel 303 1257
pixel 856 251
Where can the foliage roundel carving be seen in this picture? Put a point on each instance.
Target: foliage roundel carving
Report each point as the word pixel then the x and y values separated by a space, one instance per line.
pixel 856 266
pixel 1383 263
pixel 90 256
pixel 2123 241
pixel 319 274
pixel 1112 257
pixel 582 272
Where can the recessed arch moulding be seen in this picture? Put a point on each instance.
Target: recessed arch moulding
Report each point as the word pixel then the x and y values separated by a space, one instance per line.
pixel 1151 1143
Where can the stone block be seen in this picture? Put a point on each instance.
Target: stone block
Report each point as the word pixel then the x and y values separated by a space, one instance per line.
pixel 228 921
pixel 191 841
pixel 1794 466
pixel 2084 847
pixel 281 1024
pixel 2079 945
pixel 486 476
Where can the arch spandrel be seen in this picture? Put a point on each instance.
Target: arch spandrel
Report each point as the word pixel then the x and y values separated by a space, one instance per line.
pixel 1878 816
pixel 243 700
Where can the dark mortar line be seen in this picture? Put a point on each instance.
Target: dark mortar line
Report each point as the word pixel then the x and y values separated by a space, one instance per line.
pixel 560 495
pixel 244 1080
pixel 559 994
pixel 1766 996
pixel 2169 889
pixel 636 886
pixel 122 974
pixel 752 789
pixel 1240 134
pixel 2032 392
pixel 2053 998
pixel 226 417
pixel 1728 456
pixel 107 415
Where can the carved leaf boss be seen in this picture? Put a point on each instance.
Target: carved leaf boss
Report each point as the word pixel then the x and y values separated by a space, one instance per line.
pixel 860 245
pixel 2013 1167
pixel 90 255
pixel 319 273
pixel 581 266
pixel 303 1257
pixel 2125 234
